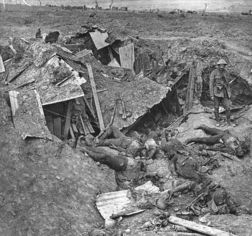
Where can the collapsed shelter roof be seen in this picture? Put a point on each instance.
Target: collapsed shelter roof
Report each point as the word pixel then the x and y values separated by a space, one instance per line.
pixel 59 75
pixel 138 96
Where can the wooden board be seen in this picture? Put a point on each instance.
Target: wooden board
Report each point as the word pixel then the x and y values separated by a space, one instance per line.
pixel 68 119
pixel 28 115
pixel 99 39
pixel 198 227
pixel 96 99
pixel 2 68
pixel 127 56
pixel 83 53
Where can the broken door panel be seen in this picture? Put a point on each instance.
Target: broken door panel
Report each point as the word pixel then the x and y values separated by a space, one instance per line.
pixel 28 115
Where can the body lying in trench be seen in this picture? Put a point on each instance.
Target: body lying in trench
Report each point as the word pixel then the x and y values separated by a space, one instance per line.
pixel 223 138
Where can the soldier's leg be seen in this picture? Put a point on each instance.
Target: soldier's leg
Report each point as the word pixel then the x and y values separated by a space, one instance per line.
pixel 117 133
pixel 226 105
pixel 111 141
pixel 210 131
pixel 205 140
pixel 216 108
pixel 117 163
pixel 112 132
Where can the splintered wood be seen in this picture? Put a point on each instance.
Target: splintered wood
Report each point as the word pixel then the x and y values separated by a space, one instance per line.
pixel 198 227
pixel 28 115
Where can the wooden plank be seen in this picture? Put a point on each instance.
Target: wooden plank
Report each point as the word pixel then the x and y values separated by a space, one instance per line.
pixel 96 99
pixel 90 127
pixel 13 101
pixel 72 133
pixel 99 39
pixel 198 227
pixel 83 53
pixel 127 56
pixel 2 68
pixel 85 128
pixel 68 119
pixel 89 107
pixel 85 117
pixel 74 128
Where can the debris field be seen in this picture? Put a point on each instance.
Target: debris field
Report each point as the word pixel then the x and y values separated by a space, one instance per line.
pixel 111 134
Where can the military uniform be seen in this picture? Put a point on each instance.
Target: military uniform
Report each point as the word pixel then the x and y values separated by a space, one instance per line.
pixel 220 91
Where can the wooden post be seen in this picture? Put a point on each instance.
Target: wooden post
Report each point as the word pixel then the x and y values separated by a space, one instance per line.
pixel 96 99
pixel 198 227
pixel 68 119
pixel 190 90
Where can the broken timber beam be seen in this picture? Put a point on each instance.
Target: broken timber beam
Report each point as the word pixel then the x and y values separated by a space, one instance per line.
pixel 198 227
pixel 96 99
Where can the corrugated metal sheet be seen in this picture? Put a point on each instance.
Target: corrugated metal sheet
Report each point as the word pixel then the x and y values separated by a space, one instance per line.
pixel 113 203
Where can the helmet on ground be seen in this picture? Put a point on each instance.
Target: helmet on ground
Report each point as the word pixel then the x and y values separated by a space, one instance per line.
pixel 221 62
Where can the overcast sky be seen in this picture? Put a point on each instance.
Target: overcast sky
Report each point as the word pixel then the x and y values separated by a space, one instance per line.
pixel 147 4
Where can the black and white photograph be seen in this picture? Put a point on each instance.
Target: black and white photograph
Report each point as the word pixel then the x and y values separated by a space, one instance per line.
pixel 125 117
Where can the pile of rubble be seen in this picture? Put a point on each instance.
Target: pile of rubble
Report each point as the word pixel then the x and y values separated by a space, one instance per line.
pixel 121 102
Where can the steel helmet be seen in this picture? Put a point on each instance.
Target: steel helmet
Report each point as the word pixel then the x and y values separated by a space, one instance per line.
pixel 221 62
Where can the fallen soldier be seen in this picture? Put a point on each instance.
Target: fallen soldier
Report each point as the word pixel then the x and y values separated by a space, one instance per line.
pixel 182 161
pixel 128 171
pixel 114 137
pixel 229 143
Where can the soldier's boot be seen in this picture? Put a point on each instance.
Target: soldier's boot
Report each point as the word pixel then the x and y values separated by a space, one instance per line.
pixel 228 115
